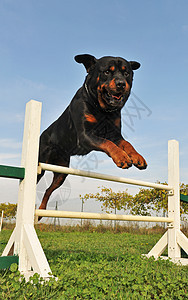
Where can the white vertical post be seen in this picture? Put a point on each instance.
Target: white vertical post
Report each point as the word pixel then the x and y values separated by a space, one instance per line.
pixel 174 250
pixel 30 147
pixel 27 188
pixel 24 241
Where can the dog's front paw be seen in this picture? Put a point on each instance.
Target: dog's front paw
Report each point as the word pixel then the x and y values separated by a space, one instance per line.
pixel 122 160
pixel 138 161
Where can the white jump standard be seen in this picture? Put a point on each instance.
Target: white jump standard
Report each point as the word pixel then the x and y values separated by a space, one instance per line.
pixel 24 241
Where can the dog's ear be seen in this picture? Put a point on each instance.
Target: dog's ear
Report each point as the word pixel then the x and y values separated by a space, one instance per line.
pixel 87 60
pixel 134 65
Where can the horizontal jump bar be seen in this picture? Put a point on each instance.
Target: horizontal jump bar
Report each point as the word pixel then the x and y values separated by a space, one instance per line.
pixel 97 216
pixel 184 198
pixel 65 170
pixel 12 172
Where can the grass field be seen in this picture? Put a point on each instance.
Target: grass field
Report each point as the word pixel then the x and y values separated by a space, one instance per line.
pixel 92 265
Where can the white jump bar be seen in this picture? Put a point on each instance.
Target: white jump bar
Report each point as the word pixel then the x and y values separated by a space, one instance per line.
pixel 97 216
pixel 65 170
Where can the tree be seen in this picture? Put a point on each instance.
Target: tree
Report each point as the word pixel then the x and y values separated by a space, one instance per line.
pixel 146 202
pixel 9 209
pixel 110 200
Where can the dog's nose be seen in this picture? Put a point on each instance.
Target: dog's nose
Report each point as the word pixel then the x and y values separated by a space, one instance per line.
pixel 120 84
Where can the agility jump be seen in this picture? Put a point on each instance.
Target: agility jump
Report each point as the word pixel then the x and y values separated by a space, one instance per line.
pixel 24 241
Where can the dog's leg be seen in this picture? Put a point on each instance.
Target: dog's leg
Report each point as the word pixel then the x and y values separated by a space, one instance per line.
pixel 58 180
pixel 120 157
pixel 136 158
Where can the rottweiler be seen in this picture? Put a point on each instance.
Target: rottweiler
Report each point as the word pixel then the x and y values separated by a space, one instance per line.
pixel 92 121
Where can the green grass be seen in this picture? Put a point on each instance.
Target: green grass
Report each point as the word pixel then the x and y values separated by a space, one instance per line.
pixel 92 265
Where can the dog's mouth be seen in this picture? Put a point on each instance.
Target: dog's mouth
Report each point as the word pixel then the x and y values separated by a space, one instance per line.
pixel 114 99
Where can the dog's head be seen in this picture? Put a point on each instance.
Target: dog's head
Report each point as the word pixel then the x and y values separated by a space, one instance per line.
pixel 109 79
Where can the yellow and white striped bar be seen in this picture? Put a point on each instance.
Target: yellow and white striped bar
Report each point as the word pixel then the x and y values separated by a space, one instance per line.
pixel 65 170
pixel 97 216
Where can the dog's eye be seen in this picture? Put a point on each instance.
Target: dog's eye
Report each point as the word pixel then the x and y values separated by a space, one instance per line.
pixel 107 72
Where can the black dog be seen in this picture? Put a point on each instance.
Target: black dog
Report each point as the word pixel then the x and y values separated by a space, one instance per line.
pixel 92 121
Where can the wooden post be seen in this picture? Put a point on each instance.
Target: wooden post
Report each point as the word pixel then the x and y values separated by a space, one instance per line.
pixel 173 238
pixel 24 241
pixel 174 250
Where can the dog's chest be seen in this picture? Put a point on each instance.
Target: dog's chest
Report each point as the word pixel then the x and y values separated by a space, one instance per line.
pixel 105 127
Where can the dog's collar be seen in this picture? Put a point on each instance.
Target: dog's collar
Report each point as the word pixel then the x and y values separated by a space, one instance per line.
pixel 106 110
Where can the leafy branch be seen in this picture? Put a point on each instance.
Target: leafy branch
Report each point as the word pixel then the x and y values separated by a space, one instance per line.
pixel 145 202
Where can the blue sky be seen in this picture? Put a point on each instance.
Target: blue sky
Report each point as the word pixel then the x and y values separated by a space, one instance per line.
pixel 39 40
